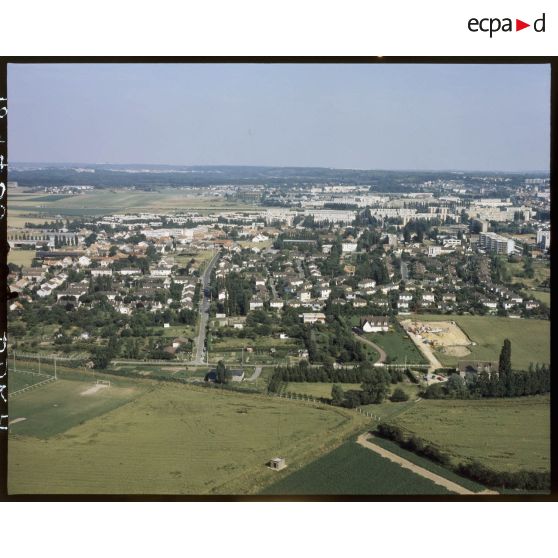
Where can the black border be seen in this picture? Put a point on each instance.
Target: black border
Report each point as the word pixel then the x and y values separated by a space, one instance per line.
pixel 4 61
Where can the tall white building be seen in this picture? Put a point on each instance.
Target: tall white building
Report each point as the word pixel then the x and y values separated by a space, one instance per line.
pixel 493 242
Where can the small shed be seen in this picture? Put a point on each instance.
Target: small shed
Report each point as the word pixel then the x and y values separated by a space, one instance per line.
pixel 277 463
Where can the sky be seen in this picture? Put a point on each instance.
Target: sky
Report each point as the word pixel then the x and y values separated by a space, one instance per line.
pixel 364 116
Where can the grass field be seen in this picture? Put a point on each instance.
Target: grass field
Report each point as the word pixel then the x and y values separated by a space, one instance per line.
pixel 505 434
pixel 398 346
pixel 106 201
pixel 543 296
pixel 58 406
pixel 352 469
pixel 21 257
pixel 530 339
pixel 541 273
pixel 173 440
pixel 20 380
pixel 316 389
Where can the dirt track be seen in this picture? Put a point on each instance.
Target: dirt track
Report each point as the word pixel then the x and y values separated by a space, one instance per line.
pixel 377 348
pixel 364 440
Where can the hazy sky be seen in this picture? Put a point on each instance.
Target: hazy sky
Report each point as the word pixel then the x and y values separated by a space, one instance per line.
pixel 477 117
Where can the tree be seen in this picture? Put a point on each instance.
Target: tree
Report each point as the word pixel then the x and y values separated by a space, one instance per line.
pixel 375 385
pixel 504 369
pixel 223 373
pixel 337 394
pixel 399 395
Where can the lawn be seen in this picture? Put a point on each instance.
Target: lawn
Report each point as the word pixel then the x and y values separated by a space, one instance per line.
pixel 398 346
pixel 178 440
pixel 505 434
pixel 530 339
pixel 20 380
pixel 21 257
pixel 352 469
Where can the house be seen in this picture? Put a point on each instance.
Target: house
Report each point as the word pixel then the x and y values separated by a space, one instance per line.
pixel 469 369
pixel 256 303
pixel 373 324
pixel 313 317
pixel 235 375
pixel 348 247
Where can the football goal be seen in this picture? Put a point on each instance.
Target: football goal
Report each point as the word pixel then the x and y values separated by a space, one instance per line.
pixel 103 383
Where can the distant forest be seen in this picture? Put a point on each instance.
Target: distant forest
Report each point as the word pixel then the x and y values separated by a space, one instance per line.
pixel 111 176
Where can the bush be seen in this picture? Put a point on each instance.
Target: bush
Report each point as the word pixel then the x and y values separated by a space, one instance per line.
pixel 399 395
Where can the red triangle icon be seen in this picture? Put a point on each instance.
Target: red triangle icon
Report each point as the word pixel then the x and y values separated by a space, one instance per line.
pixel 519 25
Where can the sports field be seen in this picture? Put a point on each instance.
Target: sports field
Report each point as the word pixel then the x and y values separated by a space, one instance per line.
pixel 172 439
pixel 352 469
pixel 21 380
pixel 530 339
pixel 505 434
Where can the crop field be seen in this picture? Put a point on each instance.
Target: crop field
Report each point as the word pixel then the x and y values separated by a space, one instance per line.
pixel 21 257
pixel 169 439
pixel 352 469
pixel 505 434
pixel 398 346
pixel 428 465
pixel 530 339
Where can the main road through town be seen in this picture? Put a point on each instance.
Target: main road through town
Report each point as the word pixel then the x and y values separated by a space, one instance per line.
pixel 204 310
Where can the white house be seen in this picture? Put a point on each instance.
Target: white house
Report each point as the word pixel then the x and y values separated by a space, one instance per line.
pixel 313 317
pixel 373 324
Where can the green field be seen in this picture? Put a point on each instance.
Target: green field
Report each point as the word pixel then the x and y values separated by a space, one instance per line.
pixel 21 257
pixel 352 469
pixel 530 339
pixel 505 434
pixel 172 439
pixel 398 347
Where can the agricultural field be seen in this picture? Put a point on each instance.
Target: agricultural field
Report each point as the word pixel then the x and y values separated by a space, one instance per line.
pixel 504 434
pixel 22 258
pixel 530 339
pixel 353 469
pixel 168 439
pixel 398 347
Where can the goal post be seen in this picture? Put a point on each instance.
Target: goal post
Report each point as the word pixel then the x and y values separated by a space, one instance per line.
pixel 103 383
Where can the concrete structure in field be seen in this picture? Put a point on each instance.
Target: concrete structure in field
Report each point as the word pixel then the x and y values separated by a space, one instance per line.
pixel 277 463
pixel 496 243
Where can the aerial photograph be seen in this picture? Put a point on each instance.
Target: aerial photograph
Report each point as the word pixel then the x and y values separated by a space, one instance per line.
pixel 279 280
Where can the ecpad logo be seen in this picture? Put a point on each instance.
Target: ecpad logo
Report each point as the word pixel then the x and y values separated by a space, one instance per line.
pixel 493 25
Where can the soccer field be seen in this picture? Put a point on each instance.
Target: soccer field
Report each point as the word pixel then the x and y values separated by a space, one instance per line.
pixel 174 439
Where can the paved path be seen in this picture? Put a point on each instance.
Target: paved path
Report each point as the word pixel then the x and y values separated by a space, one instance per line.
pixel 377 348
pixel 255 375
pixel 364 440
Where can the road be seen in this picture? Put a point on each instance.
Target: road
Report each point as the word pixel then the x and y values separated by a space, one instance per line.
pixel 255 375
pixel 204 311
pixel 366 440
pixel 377 348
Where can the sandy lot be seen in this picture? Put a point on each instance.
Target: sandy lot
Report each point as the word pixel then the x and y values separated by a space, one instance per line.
pixel 445 336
